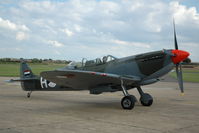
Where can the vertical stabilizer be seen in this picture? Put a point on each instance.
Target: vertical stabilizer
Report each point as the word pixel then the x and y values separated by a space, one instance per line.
pixel 25 71
pixel 29 81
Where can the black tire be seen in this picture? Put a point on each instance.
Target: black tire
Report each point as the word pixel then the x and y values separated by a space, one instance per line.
pixel 28 95
pixel 146 99
pixel 128 102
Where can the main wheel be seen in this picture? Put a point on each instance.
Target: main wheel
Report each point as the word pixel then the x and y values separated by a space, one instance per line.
pixel 128 102
pixel 146 99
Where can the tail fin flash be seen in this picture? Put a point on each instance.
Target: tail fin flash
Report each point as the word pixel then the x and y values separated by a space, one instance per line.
pixel 25 71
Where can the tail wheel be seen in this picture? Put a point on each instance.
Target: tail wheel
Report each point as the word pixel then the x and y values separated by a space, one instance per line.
pixel 128 102
pixel 29 94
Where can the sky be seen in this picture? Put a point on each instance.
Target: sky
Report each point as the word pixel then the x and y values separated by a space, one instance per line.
pixel 76 29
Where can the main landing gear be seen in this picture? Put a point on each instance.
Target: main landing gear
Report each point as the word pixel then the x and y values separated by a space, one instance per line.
pixel 145 99
pixel 128 101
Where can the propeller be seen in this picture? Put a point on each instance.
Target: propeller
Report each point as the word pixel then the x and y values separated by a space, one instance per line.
pixel 178 57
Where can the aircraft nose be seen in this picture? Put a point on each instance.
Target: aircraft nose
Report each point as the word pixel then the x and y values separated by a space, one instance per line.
pixel 180 55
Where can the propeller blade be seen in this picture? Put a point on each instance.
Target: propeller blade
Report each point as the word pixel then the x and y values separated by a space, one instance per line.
pixel 179 76
pixel 175 39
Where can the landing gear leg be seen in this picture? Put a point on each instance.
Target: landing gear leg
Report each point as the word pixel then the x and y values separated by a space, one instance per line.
pixel 28 94
pixel 128 101
pixel 145 98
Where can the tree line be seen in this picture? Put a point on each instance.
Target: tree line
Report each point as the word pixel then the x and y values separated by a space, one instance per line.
pixel 34 60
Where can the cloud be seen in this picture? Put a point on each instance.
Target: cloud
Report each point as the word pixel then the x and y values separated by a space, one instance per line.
pixel 41 6
pixel 98 26
pixel 68 32
pixel 19 29
pixel 57 52
pixel 183 14
pixel 12 26
pixel 136 44
pixel 196 45
pixel 109 8
pixel 78 28
pixel 136 5
pixel 55 43
pixel 18 49
pixel 21 36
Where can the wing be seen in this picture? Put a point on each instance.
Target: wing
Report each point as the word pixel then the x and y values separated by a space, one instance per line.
pixel 79 79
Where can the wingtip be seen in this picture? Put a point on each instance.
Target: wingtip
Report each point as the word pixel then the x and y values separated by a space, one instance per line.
pixel 8 81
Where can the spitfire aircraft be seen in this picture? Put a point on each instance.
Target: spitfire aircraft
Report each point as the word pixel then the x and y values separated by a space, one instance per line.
pixel 109 74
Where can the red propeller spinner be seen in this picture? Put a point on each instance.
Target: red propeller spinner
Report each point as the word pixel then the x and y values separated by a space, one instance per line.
pixel 179 55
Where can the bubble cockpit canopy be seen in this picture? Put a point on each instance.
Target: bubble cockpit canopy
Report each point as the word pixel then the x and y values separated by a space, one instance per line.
pixel 85 62
pixel 98 61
